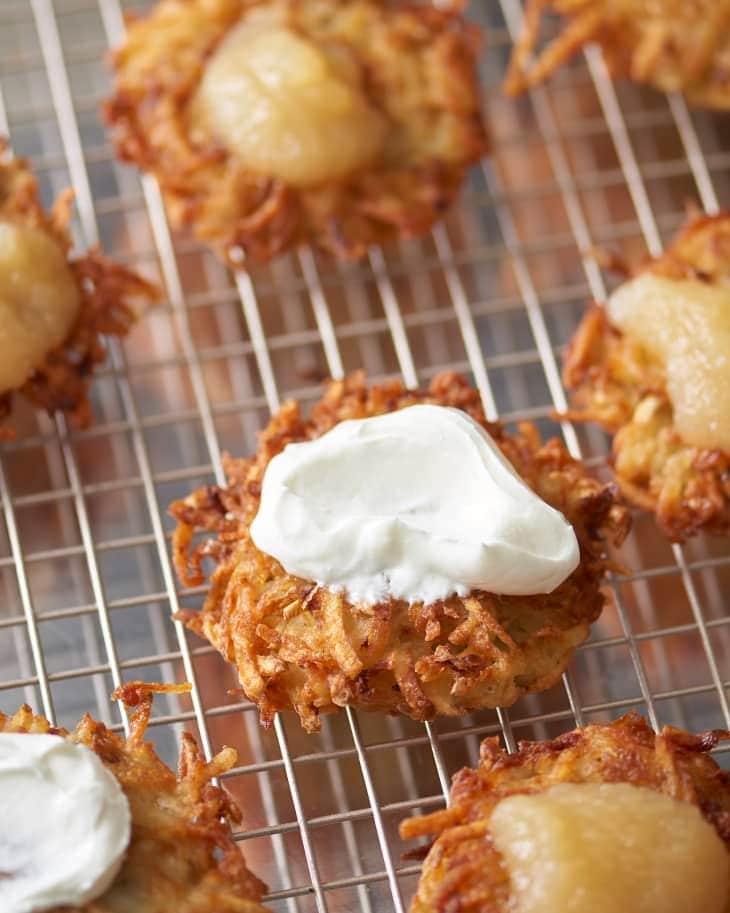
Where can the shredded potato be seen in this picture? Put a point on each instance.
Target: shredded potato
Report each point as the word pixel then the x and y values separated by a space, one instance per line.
pixel 673 45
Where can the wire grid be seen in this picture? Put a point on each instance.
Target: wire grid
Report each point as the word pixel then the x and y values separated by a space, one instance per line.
pixel 86 586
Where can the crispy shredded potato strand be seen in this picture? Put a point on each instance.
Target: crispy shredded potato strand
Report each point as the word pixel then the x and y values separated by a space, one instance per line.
pixel 419 66
pixel 302 647
pixel 182 857
pixel 614 381
pixel 673 45
pixel 464 872
pixel 61 381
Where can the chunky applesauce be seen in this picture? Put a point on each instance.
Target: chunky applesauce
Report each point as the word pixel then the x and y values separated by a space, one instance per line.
pixel 609 848
pixel 287 107
pixel 685 324
pixel 39 300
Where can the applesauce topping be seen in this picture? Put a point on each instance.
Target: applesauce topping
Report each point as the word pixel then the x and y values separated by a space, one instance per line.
pixel 39 300
pixel 685 323
pixel 608 847
pixel 286 107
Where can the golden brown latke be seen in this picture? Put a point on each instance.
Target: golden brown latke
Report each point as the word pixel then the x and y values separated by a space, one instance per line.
pixel 299 646
pixel 673 45
pixel 614 381
pixel 419 69
pixel 463 871
pixel 61 382
pixel 181 857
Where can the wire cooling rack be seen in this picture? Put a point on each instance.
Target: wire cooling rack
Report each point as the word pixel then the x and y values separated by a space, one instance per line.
pixel 86 586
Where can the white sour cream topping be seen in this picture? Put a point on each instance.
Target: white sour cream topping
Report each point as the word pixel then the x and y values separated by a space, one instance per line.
pixel 64 823
pixel 418 504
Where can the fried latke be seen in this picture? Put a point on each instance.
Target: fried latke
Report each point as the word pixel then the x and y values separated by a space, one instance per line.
pixel 300 646
pixel 61 380
pixel 414 64
pixel 672 45
pixel 464 873
pixel 181 857
pixel 614 381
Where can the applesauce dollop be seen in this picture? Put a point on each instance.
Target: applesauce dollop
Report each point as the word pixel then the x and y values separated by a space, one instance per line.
pixel 285 106
pixel 685 323
pixel 39 300
pixel 608 847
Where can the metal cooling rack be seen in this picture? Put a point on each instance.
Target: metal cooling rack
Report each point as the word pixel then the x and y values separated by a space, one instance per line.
pixel 86 587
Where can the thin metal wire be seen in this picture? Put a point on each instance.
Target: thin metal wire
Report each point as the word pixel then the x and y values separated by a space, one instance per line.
pixel 394 317
pixel 16 552
pixel 41 676
pixel 390 867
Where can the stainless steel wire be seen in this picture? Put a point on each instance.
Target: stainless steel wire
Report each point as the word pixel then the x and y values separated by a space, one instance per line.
pixel 86 583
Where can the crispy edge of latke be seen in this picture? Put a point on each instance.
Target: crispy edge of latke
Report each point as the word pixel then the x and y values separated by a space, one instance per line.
pixel 133 761
pixel 226 512
pixel 645 55
pixel 61 381
pixel 463 871
pixel 613 381
pixel 244 215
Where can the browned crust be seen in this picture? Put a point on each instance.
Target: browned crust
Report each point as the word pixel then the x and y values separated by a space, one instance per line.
pixel 182 856
pixel 463 872
pixel 299 646
pixel 672 45
pixel 614 381
pixel 421 71
pixel 61 382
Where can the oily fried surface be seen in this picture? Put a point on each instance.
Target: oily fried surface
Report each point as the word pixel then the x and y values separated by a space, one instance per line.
pixel 302 647
pixel 419 66
pixel 672 45
pixel 182 857
pixel 61 382
pixel 614 381
pixel 463 871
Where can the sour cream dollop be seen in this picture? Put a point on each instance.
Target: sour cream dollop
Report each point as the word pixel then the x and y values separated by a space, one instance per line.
pixel 418 504
pixel 65 823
